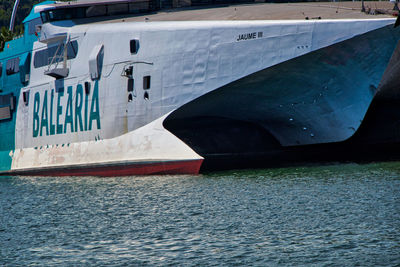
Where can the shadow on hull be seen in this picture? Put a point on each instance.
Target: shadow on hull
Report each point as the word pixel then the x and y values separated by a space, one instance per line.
pixel 229 144
pixel 340 103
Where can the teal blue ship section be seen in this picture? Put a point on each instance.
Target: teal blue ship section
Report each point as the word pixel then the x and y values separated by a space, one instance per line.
pixel 11 84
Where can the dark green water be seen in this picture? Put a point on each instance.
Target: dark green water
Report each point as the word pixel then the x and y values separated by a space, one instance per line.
pixel 340 215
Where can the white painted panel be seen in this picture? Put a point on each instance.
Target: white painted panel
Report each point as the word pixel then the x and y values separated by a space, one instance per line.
pixel 149 143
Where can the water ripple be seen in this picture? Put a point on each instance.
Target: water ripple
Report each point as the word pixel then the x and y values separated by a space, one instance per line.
pixel 336 215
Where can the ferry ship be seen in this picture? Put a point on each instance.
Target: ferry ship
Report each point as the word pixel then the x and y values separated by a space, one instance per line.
pixel 92 88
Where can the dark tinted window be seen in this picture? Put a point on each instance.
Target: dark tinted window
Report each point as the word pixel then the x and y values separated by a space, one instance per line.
pixel 146 82
pixel 117 9
pixel 134 46
pixel 33 24
pixel 130 85
pixel 12 66
pixel 44 16
pixel 138 7
pixel 95 11
pixel 56 15
pixel 108 9
pixel 44 57
pixel 63 14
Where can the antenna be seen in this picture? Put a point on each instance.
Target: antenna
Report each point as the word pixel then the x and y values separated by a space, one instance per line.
pixel 14 13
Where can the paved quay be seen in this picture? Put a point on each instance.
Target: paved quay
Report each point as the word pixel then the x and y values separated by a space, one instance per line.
pixel 268 11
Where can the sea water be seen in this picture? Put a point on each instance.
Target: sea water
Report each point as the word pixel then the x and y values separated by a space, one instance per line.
pixel 336 215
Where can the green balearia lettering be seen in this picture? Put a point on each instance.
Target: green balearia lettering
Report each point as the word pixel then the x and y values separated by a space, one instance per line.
pixel 68 112
pixel 44 121
pixel 52 125
pixel 78 117
pixel 94 109
pixel 78 108
pixel 59 112
pixel 36 122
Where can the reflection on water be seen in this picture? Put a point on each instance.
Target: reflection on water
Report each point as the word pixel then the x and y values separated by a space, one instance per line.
pixel 345 214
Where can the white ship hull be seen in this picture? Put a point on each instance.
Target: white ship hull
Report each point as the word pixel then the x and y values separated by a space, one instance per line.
pixel 107 114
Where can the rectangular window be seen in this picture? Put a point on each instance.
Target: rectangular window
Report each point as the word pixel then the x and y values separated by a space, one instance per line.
pixel 5 113
pixel 12 66
pixel 95 11
pixel 146 82
pixel 6 106
pixel 138 7
pixel 134 46
pixel 44 16
pixel 25 96
pixel 107 9
pixel 130 85
pixel 87 88
pixel 72 49
pixel 32 25
pixel 117 9
pixel 44 57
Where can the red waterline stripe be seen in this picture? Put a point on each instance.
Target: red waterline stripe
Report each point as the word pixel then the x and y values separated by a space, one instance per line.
pixel 141 168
